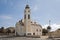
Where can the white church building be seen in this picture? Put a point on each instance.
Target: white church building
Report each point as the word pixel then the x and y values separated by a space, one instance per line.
pixel 26 27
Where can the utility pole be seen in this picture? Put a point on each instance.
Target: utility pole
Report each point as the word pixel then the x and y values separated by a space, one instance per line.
pixel 49 22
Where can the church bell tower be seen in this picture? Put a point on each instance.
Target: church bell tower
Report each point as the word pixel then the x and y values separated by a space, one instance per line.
pixel 27 23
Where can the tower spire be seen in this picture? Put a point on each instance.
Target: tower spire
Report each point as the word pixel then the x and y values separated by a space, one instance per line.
pixel 27 21
pixel 27 6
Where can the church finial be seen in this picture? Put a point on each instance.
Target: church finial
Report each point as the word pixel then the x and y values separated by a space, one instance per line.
pixel 27 6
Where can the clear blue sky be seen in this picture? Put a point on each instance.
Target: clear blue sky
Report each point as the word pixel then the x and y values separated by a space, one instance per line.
pixel 41 11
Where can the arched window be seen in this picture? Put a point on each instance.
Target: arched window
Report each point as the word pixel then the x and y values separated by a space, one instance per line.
pixel 28 16
pixel 40 30
pixel 24 16
pixel 33 33
pixel 29 33
pixel 36 29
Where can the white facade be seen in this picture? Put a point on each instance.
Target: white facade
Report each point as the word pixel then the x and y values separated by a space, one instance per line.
pixel 19 29
pixel 26 26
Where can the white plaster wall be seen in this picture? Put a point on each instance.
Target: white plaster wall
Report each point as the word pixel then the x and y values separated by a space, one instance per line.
pixel 34 28
pixel 19 29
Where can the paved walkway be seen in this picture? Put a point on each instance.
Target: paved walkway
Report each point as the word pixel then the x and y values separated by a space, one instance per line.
pixel 23 38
